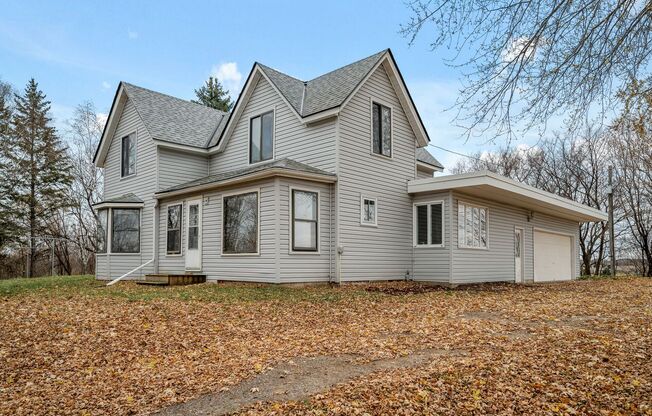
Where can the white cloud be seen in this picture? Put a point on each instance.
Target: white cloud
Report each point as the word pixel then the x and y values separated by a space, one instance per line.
pixel 132 34
pixel 229 75
pixel 102 118
pixel 106 85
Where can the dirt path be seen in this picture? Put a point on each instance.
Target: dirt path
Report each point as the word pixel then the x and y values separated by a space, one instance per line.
pixel 296 380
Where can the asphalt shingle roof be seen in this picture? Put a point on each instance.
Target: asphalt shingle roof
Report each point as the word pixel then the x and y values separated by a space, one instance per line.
pixel 424 156
pixel 285 163
pixel 175 120
pixel 326 91
pixel 126 198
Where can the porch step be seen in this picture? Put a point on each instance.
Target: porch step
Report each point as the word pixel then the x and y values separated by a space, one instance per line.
pixel 172 279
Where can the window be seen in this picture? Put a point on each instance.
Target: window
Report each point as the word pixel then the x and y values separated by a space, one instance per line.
pixel 305 224
pixel 102 227
pixel 429 224
pixel 382 129
pixel 174 229
pixel 128 155
pixel 240 224
pixel 125 230
pixel 193 226
pixel 368 209
pixel 471 226
pixel 261 142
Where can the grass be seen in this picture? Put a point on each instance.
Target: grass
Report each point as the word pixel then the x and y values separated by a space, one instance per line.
pixel 87 286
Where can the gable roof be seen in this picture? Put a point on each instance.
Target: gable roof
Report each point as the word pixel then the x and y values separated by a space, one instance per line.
pixel 326 91
pixel 174 120
pixel 326 95
pixel 426 157
pixel 199 128
pixel 166 118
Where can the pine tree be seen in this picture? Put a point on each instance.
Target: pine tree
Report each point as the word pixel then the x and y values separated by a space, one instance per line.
pixel 213 94
pixel 7 226
pixel 38 164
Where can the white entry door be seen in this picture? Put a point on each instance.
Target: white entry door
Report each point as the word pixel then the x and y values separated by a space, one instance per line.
pixel 193 235
pixel 518 255
pixel 552 257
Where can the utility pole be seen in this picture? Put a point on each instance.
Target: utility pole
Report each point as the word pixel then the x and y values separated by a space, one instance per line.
pixel 612 238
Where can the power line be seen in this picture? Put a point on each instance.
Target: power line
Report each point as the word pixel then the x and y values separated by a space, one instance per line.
pixel 458 153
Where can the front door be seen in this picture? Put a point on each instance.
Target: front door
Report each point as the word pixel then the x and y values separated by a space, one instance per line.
pixel 193 235
pixel 518 255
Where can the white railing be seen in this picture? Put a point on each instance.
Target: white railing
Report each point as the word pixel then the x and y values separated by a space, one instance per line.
pixel 114 281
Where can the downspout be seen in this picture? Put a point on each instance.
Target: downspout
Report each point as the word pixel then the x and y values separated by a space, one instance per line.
pixel 154 246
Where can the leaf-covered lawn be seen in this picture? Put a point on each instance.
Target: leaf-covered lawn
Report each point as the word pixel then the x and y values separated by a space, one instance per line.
pixel 69 346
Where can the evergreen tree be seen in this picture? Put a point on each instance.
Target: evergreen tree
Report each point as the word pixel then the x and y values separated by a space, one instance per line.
pixel 38 164
pixel 213 94
pixel 7 226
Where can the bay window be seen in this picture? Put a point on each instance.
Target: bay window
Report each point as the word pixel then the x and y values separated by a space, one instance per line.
pixel 471 226
pixel 125 230
pixel 429 224
pixel 305 223
pixel 102 230
pixel 240 224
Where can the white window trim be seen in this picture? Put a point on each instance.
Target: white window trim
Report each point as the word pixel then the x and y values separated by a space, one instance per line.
pixel 258 114
pixel 376 100
pixel 135 134
pixel 486 220
pixel 291 224
pixel 362 220
pixel 429 227
pixel 110 232
pixel 233 193
pixel 180 253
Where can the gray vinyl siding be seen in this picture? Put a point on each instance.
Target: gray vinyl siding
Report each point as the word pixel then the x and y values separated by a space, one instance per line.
pixel 432 264
pixel 143 184
pixel 313 145
pixel 383 252
pixel 176 167
pixel 496 263
pixel 305 267
pixel 423 174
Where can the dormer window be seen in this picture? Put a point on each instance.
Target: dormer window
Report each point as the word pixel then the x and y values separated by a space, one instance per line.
pixel 382 129
pixel 261 137
pixel 129 155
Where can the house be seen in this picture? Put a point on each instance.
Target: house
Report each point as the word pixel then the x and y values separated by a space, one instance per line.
pixel 313 181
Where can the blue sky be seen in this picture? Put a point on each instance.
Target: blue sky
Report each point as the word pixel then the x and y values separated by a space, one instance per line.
pixel 80 51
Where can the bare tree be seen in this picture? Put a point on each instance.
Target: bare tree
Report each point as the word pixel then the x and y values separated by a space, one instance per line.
pixel 525 61
pixel 632 141
pixel 569 166
pixel 84 133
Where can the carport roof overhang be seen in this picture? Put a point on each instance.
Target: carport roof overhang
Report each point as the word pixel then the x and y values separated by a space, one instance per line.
pixel 488 185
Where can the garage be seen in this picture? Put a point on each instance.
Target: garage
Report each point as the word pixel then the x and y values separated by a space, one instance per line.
pixel 553 259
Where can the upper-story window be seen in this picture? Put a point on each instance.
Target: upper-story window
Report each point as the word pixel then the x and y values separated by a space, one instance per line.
pixel 382 129
pixel 261 137
pixel 128 155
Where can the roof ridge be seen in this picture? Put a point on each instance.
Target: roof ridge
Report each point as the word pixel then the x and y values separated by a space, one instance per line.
pixel 280 72
pixel 173 97
pixel 349 64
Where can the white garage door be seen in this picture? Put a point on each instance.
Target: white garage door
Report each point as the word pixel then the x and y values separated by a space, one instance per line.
pixel 552 257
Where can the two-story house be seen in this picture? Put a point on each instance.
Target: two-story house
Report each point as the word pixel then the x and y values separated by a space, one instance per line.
pixel 313 181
